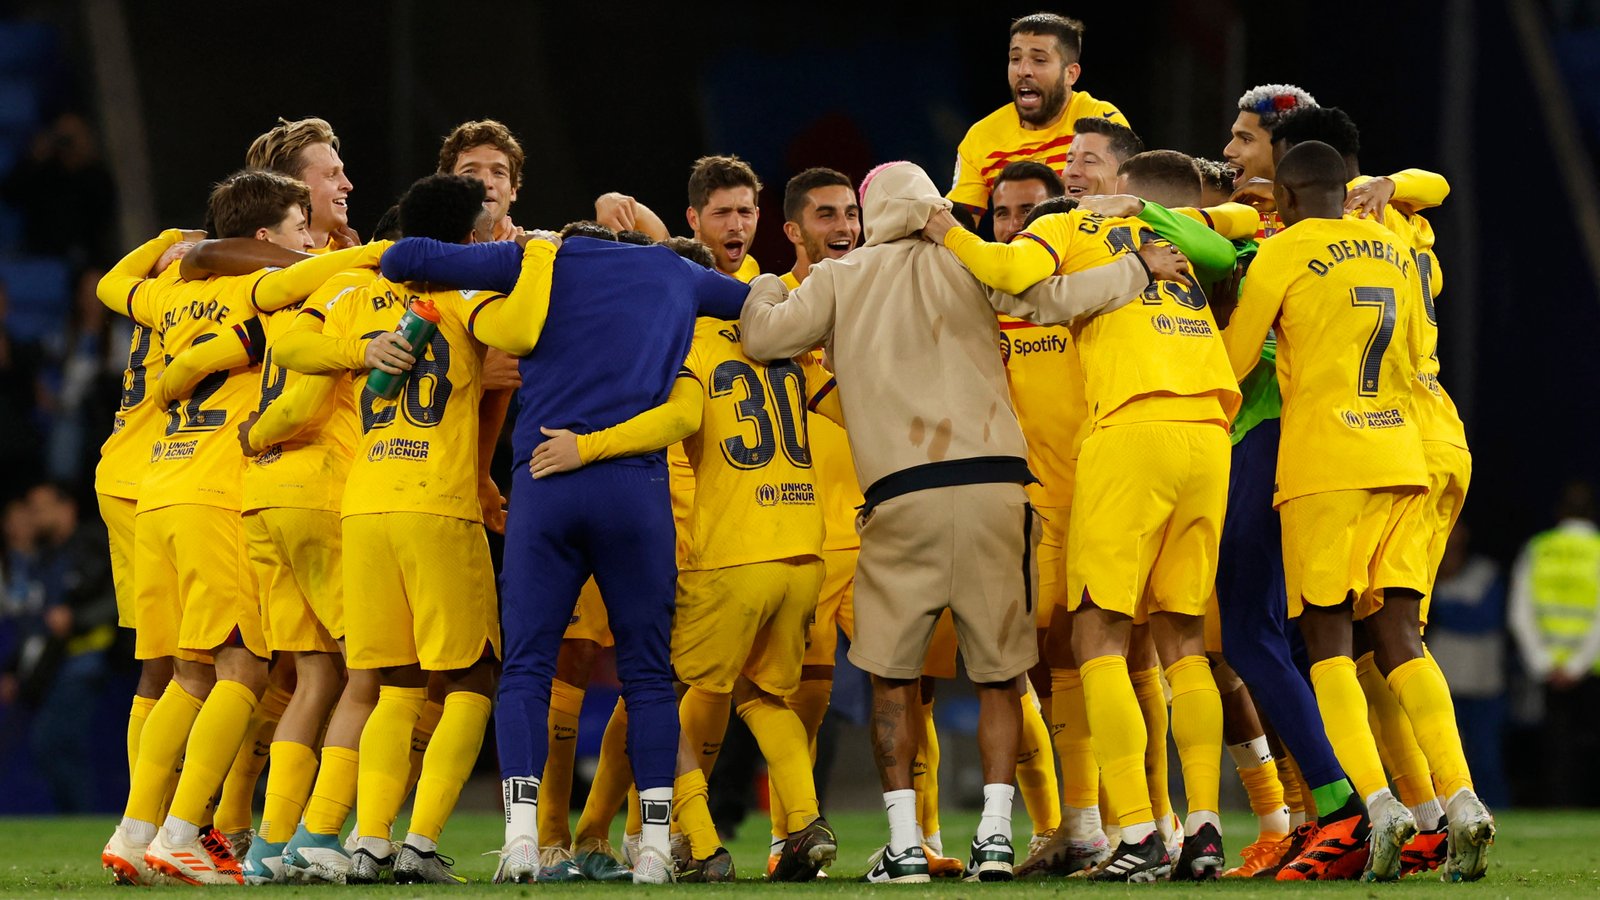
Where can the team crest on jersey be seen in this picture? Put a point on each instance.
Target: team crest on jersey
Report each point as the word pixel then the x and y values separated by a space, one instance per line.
pixel 767 495
pixel 380 449
pixel 1163 324
pixel 1352 418
pixel 155 452
pixel 270 455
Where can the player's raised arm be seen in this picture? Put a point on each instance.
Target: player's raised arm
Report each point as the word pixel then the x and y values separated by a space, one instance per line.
pixel 1065 299
pixel 283 287
pixel 236 256
pixel 777 324
pixel 654 429
pixel 1211 254
pixel 1234 221
pixel 243 346
pixel 311 348
pixel 116 287
pixel 493 266
pixel 1012 267
pixel 514 322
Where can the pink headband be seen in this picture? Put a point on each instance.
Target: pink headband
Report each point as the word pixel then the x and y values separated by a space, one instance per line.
pixel 865 182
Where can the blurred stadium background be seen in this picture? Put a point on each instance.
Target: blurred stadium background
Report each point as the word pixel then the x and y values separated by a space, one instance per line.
pixel 115 118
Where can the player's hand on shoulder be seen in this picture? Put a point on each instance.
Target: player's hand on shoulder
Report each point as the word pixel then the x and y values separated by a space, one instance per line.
pixel 245 425
pixel 940 221
pixel 558 454
pixel 1256 193
pixel 1116 206
pixel 172 254
pixel 1165 262
pixel 1370 197
pixel 538 234
pixel 389 352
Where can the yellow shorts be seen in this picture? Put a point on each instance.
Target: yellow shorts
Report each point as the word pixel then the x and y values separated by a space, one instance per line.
pixel 419 588
pixel 1449 474
pixel 194 591
pixel 1052 555
pixel 297 561
pixel 835 607
pixel 748 620
pixel 1339 543
pixel 1147 518
pixel 117 513
pixel 589 620
pixel 941 659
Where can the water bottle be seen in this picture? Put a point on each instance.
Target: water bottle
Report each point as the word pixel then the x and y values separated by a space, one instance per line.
pixel 417 326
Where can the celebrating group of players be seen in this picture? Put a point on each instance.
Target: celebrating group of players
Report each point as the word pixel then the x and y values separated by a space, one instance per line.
pixel 346 543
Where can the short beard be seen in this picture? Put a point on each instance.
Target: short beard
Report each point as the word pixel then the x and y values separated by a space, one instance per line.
pixel 1051 103
pixel 816 248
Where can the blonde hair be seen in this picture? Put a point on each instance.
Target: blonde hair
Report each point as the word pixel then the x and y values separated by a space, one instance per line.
pixel 279 149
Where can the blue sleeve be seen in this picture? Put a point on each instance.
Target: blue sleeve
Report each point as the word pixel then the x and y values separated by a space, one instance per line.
pixel 492 266
pixel 717 295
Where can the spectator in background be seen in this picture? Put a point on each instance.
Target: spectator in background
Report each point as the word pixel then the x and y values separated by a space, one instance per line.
pixel 1465 635
pixel 60 665
pixel 1555 617
pixel 65 194
pixel 81 381
pixel 20 460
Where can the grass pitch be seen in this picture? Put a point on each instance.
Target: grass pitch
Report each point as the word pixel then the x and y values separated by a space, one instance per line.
pixel 1544 854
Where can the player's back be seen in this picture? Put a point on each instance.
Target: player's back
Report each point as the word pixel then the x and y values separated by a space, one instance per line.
pixel 419 451
pixel 619 327
pixel 196 457
pixel 1344 363
pixel 1436 413
pixel 1160 358
pixel 755 494
pixel 125 455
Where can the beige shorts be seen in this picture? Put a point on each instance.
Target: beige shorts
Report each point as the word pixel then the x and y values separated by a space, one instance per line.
pixel 969 549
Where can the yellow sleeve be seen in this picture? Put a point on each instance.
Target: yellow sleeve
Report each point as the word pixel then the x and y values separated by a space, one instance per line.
pixel 1259 302
pixel 1234 221
pixel 311 348
pixel 295 408
pixel 291 284
pixel 513 322
pixel 654 429
pixel 186 369
pixel 823 390
pixel 1012 267
pixel 969 190
pixel 1418 189
pixel 117 286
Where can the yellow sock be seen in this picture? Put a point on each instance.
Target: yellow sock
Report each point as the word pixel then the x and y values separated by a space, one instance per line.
pixel 1425 697
pixel 704 718
pixel 555 788
pixel 449 760
pixel 1197 730
pixel 233 812
pixel 1261 784
pixel 219 729
pixel 421 734
pixel 612 777
pixel 1397 745
pixel 782 739
pixel 1080 777
pixel 384 758
pixel 294 769
pixel 1344 718
pixel 810 702
pixel 925 771
pixel 1117 733
pixel 1153 707
pixel 137 716
pixel 161 744
pixel 335 791
pixel 1036 769
pixel 1296 794
pixel 692 815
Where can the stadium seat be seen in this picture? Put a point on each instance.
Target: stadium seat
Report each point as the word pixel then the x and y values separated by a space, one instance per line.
pixel 39 290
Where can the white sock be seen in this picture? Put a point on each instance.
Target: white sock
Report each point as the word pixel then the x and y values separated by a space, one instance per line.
pixel 138 831
pixel 996 817
pixel 1081 824
pixel 776 846
pixel 1252 754
pixel 1200 818
pixel 1168 826
pixel 902 809
pixel 521 797
pixel 1429 815
pixel 1275 822
pixel 179 832
pixel 377 846
pixel 1296 819
pixel 421 844
pixel 655 814
pixel 1133 834
pixel 1376 800
pixel 934 841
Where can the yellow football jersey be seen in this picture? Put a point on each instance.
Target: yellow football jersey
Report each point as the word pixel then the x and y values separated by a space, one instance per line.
pixel 308 469
pixel 418 452
pixel 680 485
pixel 1047 390
pixel 832 466
pixel 748 269
pixel 125 455
pixel 755 497
pixel 1151 360
pixel 999 139
pixel 1436 413
pixel 195 457
pixel 1339 293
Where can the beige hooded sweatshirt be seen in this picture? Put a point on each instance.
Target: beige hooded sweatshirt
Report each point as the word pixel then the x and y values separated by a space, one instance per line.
pixel 913 335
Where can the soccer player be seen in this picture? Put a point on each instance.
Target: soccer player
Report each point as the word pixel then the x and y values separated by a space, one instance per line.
pixel 308 150
pixel 487 150
pixel 420 589
pixel 558 533
pixel 189 514
pixel 1449 462
pixel 722 213
pixel 1353 550
pixel 1156 379
pixel 1040 121
pixel 965 453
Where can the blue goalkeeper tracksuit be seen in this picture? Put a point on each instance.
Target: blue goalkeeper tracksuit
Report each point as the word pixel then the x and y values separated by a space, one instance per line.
pixel 620 322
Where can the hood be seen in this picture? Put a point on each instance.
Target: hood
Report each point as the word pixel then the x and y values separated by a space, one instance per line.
pixel 896 200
